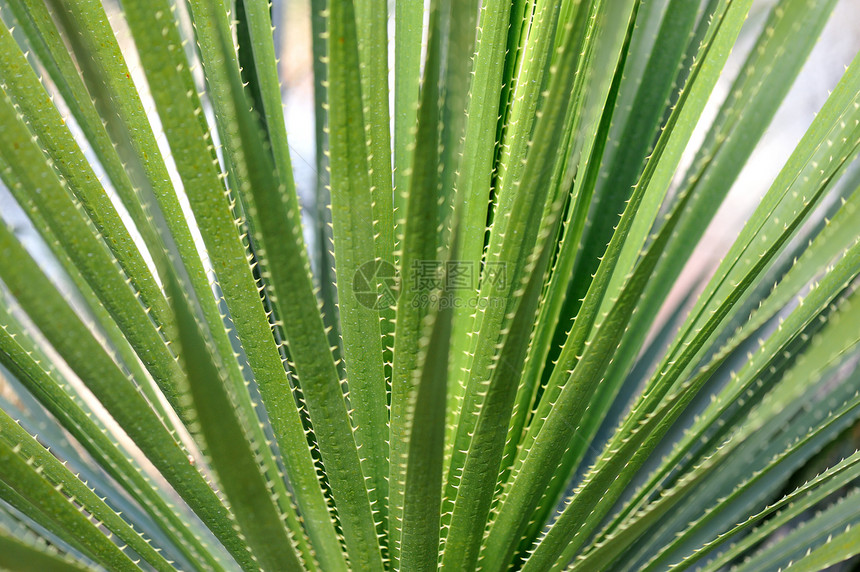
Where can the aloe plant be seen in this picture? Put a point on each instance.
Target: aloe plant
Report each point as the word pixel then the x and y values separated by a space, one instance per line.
pixel 480 352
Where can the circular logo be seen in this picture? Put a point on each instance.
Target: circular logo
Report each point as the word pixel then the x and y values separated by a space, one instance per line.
pixel 365 281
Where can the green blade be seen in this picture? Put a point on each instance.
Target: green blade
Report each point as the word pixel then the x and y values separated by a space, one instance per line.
pixel 232 450
pixel 819 530
pixel 19 556
pixel 837 549
pixel 475 176
pixel 542 452
pixel 38 25
pixel 424 416
pixel 632 147
pixel 631 436
pixel 418 262
pixel 371 17
pixel 119 395
pixel 33 101
pixel 507 255
pixel 741 122
pixel 50 488
pixel 292 295
pixel 481 467
pixel 359 267
pixel 18 355
pixel 408 35
pixel 780 512
pixel 35 182
pixel 179 106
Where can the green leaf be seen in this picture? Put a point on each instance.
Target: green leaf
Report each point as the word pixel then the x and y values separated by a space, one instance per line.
pixel 419 542
pixel 119 395
pixel 837 549
pixel 515 312
pixel 625 451
pixel 289 281
pixel 85 24
pixel 784 208
pixel 630 148
pixel 479 174
pixel 463 18
pixel 507 255
pixel 425 428
pixel 19 556
pixel 413 308
pixel 781 49
pixel 814 260
pixel 324 263
pixel 481 466
pixel 32 101
pixel 817 530
pixel 541 452
pixel 359 265
pixel 371 17
pixel 21 84
pixel 663 162
pixel 179 106
pixel 231 447
pixel 17 353
pixel 834 342
pixel 44 38
pixel 35 182
pixel 475 175
pixel 43 480
pixel 602 97
pixel 781 511
pixel 408 36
